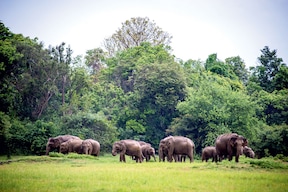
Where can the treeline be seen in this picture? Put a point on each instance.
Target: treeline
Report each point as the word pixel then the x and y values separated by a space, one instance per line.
pixel 138 91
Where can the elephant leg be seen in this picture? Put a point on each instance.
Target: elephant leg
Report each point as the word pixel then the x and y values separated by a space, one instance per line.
pixel 191 158
pixel 123 158
pixel 237 158
pixel 230 157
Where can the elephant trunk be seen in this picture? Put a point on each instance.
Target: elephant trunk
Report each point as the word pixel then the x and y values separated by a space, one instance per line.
pixel 114 153
pixel 238 153
pixel 47 150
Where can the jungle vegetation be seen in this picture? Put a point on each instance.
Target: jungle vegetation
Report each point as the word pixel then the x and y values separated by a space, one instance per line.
pixel 134 87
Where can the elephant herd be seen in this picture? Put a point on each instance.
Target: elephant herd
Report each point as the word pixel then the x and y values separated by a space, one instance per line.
pixel 68 143
pixel 175 148
pixel 227 146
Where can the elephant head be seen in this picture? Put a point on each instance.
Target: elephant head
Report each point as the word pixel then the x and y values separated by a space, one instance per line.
pixel 87 147
pixel 162 150
pixel 64 147
pixel 236 144
pixel 118 147
pixel 52 143
pixel 248 152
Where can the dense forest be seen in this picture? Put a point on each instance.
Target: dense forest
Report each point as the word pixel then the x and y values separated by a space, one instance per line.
pixel 135 88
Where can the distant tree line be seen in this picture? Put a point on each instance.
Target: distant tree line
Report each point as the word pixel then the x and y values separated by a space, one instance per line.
pixel 135 88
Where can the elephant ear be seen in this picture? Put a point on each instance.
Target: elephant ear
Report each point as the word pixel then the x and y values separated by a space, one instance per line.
pixel 122 146
pixel 170 142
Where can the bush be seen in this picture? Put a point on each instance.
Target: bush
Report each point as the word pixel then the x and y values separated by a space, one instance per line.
pixel 91 126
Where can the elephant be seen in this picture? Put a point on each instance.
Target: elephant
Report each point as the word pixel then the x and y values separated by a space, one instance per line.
pixel 209 152
pixel 91 147
pixel 162 151
pixel 55 142
pixel 248 152
pixel 72 145
pixel 147 152
pixel 229 145
pixel 176 145
pixel 127 147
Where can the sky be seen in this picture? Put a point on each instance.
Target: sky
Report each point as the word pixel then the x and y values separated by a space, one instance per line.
pixel 199 27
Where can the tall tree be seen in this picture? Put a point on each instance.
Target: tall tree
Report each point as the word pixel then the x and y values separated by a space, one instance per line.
pixel 269 66
pixel 238 67
pixel 134 32
pixel 95 59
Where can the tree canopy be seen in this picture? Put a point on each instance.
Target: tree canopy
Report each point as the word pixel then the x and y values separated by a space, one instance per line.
pixel 134 32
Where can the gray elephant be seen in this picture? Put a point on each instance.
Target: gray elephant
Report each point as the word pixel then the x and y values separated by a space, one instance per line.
pixel 209 152
pixel 71 146
pixel 91 147
pixel 177 145
pixel 55 142
pixel 147 152
pixel 127 147
pixel 229 145
pixel 162 152
pixel 248 152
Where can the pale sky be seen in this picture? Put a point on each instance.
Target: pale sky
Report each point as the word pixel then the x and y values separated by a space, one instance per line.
pixel 199 27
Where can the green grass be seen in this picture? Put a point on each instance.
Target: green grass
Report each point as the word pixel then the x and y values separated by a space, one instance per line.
pixel 105 173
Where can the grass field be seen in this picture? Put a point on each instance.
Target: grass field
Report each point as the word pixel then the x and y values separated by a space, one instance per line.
pixel 106 173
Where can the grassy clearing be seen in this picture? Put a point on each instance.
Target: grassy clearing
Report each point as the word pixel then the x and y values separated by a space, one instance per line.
pixel 87 173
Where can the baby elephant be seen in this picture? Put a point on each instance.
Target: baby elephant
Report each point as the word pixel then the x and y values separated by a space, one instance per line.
pixel 248 152
pixel 147 152
pixel 91 147
pixel 72 145
pixel 209 152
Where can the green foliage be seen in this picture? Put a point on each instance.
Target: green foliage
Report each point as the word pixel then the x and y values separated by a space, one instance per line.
pixel 214 65
pixel 238 67
pixel 273 107
pixel 212 108
pixel 31 138
pixel 272 140
pixel 269 67
pixel 90 126
pixel 5 125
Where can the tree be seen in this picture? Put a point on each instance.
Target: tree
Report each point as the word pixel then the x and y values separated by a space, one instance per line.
pixel 95 58
pixel 266 72
pixel 281 78
pixel 134 32
pixel 120 68
pixel 214 65
pixel 213 107
pixel 158 90
pixel 238 67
